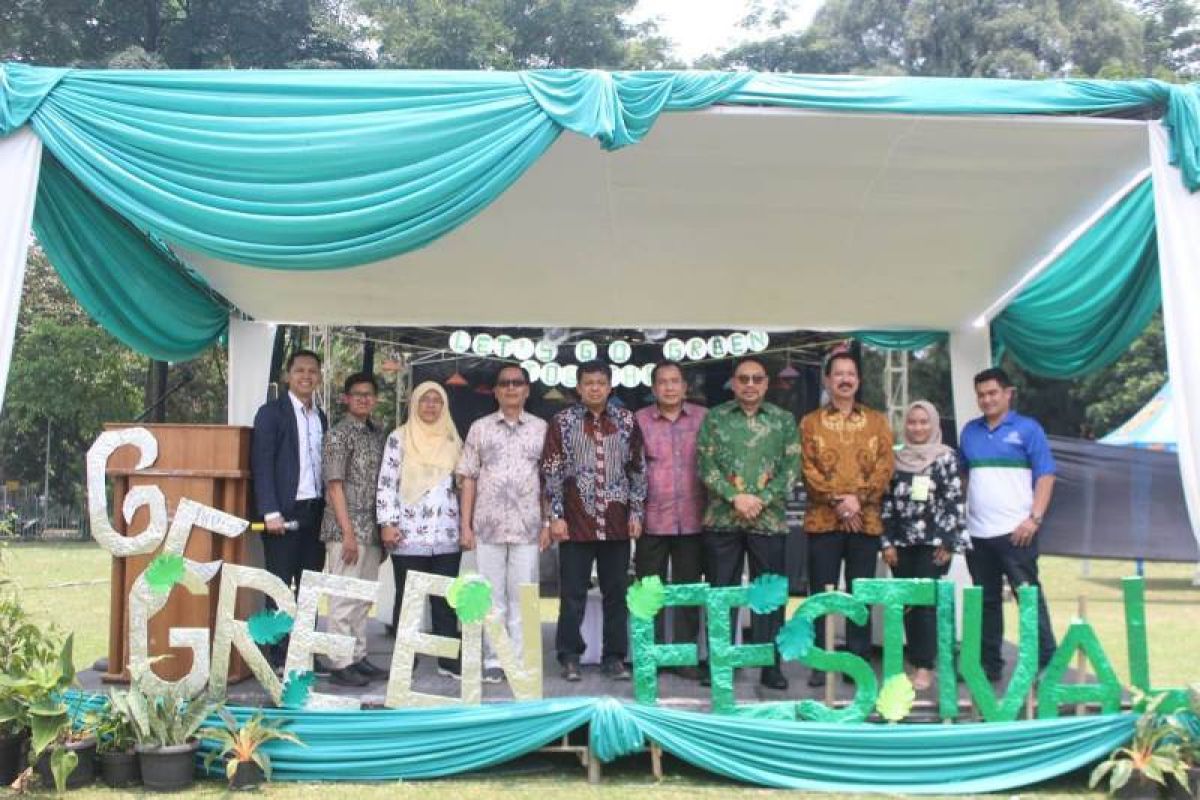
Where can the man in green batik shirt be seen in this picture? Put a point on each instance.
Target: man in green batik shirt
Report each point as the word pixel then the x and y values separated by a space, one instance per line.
pixel 749 457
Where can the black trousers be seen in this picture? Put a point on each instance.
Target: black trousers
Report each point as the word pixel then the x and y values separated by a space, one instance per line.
pixel 827 553
pixel 574 578
pixel 920 622
pixel 685 555
pixel 990 562
pixel 726 553
pixel 287 555
pixel 445 622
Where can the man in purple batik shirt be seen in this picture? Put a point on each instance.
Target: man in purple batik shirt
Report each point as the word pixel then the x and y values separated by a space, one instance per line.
pixel 675 496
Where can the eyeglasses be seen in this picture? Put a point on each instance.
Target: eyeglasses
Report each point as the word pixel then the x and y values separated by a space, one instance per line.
pixel 510 383
pixel 746 379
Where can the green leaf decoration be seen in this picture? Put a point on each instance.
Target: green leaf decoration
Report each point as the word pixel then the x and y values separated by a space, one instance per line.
pixel 795 639
pixel 164 571
pixel 296 688
pixel 269 626
pixel 896 698
pixel 645 597
pixel 767 593
pixel 471 597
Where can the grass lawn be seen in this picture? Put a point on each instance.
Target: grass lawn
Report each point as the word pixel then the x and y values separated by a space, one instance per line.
pixel 66 584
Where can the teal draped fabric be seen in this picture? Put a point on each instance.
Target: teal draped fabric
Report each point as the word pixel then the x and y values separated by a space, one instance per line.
pixel 294 169
pixel 1085 309
pixel 153 305
pixel 912 759
pixel 22 90
pixel 900 340
pixel 1088 306
pixel 908 759
pixel 326 169
pixel 619 108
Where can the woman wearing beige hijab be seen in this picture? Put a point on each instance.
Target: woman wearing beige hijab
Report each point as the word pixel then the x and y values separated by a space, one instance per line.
pixel 924 524
pixel 416 504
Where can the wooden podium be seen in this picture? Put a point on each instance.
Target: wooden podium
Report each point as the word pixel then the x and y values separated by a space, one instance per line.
pixel 206 463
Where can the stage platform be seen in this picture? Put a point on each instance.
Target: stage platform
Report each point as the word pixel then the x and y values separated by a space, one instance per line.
pixel 674 691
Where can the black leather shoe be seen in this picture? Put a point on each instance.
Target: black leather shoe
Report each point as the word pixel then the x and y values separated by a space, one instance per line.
pixel 615 669
pixel 369 670
pixel 348 677
pixel 772 678
pixel 816 678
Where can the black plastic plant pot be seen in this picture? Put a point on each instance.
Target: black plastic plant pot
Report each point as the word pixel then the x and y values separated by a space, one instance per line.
pixel 84 773
pixel 1139 787
pixel 248 776
pixel 1185 790
pixel 120 770
pixel 170 768
pixel 12 756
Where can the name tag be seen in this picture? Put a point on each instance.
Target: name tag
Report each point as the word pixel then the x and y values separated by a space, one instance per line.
pixel 920 488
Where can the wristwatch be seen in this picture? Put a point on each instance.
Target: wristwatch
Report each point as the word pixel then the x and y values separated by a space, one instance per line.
pixel 1037 518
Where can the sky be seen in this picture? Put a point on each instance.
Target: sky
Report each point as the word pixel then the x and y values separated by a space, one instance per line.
pixel 706 26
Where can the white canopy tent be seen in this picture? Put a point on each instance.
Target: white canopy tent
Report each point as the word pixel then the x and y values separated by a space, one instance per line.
pixel 733 217
pixel 738 217
pixel 743 217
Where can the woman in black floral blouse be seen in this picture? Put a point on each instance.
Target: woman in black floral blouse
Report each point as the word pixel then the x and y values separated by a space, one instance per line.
pixel 924 524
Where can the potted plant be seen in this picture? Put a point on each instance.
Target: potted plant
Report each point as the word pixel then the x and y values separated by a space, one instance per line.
pixel 246 762
pixel 1140 770
pixel 164 729
pixel 24 645
pixel 69 762
pixel 115 743
pixel 1189 726
pixel 36 699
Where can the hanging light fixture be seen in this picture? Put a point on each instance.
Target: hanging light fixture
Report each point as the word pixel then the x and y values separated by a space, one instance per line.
pixel 457 378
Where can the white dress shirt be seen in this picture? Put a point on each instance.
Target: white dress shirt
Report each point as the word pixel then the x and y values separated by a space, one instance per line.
pixel 308 424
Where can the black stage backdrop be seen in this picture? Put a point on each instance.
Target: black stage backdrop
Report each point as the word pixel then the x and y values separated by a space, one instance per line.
pixel 1117 502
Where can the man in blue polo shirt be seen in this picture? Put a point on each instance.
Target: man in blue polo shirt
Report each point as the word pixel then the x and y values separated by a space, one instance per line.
pixel 1010 481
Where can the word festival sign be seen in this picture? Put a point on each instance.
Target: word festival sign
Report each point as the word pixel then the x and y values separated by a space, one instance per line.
pixel 295 616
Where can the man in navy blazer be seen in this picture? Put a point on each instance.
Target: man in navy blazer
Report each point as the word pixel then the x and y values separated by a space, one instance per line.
pixel 285 460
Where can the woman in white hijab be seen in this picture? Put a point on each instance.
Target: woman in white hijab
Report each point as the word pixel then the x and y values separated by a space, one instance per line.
pixel 417 507
pixel 924 524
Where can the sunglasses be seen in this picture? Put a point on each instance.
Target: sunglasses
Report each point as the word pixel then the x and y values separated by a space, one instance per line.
pixel 510 383
pixel 746 379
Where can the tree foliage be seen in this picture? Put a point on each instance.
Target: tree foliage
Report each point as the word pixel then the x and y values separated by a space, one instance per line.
pixel 65 382
pixel 513 34
pixel 955 38
pixel 180 33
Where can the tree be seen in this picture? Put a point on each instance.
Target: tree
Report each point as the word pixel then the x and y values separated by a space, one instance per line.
pixel 955 38
pixel 182 33
pixel 1113 395
pixel 65 382
pixel 67 378
pixel 1171 36
pixel 513 34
